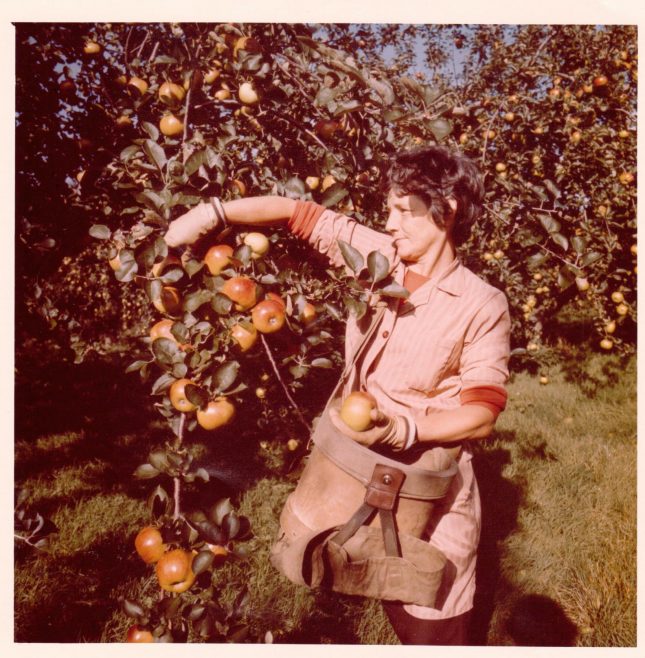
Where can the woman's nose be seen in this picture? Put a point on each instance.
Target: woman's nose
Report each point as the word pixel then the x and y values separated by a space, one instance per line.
pixel 392 222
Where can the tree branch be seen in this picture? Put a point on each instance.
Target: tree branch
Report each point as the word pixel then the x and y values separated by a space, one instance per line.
pixel 295 407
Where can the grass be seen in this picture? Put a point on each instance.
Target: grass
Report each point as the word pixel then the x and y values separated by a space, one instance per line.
pixel 558 485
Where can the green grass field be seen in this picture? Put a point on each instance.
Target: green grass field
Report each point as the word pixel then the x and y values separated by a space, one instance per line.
pixel 558 485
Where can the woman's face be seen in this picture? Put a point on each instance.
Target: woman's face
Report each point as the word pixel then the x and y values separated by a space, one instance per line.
pixel 410 223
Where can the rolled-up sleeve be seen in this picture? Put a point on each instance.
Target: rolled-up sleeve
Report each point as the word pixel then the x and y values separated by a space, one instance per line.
pixel 332 227
pixel 484 359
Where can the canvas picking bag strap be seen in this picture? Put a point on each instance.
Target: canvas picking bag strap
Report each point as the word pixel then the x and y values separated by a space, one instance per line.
pixel 355 520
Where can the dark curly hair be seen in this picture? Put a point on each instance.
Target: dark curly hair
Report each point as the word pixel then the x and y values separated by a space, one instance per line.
pixel 435 173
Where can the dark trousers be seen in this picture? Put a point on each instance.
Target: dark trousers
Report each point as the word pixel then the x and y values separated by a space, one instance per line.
pixel 411 630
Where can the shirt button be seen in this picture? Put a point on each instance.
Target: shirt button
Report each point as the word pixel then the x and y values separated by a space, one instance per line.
pixel 386 333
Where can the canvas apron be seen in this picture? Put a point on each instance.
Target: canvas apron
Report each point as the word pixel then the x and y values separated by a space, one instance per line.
pixel 355 520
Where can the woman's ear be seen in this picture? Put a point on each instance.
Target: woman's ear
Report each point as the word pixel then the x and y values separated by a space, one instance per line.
pixel 450 217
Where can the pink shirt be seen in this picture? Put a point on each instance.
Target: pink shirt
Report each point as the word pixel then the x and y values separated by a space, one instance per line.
pixel 451 334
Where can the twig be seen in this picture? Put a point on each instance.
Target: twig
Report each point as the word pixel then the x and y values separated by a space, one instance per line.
pixel 176 481
pixel 540 47
pixel 125 49
pixel 302 419
pixel 143 43
pixel 187 108
pixel 154 52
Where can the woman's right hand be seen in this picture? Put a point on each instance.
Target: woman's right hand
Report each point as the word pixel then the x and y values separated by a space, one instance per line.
pixel 192 225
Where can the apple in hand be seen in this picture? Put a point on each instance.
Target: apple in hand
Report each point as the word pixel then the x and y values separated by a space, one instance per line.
pixel 356 411
pixel 149 544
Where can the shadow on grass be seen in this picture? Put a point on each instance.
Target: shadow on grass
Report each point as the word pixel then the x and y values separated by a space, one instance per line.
pixel 539 621
pixel 82 602
pixel 500 500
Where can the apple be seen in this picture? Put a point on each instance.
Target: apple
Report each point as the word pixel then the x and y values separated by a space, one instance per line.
pixel 582 283
pixel 163 329
pixel 356 410
pixel 260 392
pixel 211 75
pixel 606 343
pixel 622 309
pixel 123 121
pixel 247 93
pixel 178 397
pixel 171 93
pixel 245 334
pixel 308 314
pixel 218 258
pixel 137 85
pixel 218 412
pixel 500 167
pixel 488 256
pixel 174 571
pixel 240 185
pixel 149 544
pixel 242 291
pixel 634 249
pixel 171 126
pixel 544 380
pixel 626 178
pixel 137 634
pixel 617 297
pixel 599 85
pixel 276 298
pixel 268 316
pixel 326 128
pixel 159 268
pixel 327 182
pixel 610 327
pixel 222 94
pixel 217 550
pixel 258 242
pixel 312 182
pixel 91 48
pixel 509 116
pixel 169 301
pixel 575 137
pixel 498 254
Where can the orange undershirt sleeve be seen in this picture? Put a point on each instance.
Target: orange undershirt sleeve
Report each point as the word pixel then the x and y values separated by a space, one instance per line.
pixel 492 397
pixel 304 218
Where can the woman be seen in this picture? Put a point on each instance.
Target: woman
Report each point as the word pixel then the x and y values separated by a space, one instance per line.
pixel 437 365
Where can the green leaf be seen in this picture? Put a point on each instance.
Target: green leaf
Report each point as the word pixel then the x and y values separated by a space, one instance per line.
pixel 221 304
pixel 352 256
pixel 159 502
pixel 536 259
pixel 129 152
pixel 202 561
pixel 566 277
pixel 155 154
pixel 133 609
pixel 129 266
pixel 195 299
pixel 579 244
pixel 243 253
pixel 431 94
pixel 383 89
pixel 165 350
pixel 440 128
pixel 355 307
pixel 393 290
pixel 589 258
pixel 333 195
pixel 159 459
pixel 172 275
pixel 135 365
pixel 224 377
pixel 195 611
pixel 555 192
pixel 296 186
pixel 100 231
pixel 560 240
pixel 378 266
pixel 550 224
pixel 195 161
pixel 145 472
pixel 163 383
pixel 198 396
pixel 192 266
pixel 151 129
pixel 221 508
pixel 322 363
